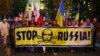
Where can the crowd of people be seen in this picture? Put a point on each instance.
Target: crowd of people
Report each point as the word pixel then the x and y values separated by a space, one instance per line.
pixel 6 29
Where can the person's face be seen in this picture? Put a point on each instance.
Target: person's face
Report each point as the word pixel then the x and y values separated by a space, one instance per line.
pixel 66 22
pixel 84 23
pixel 21 14
pixel 32 22
pixel 32 18
pixel 16 19
pixel 69 23
pixel 73 23
pixel 88 20
pixel 4 20
pixel 24 19
pixel 54 22
pixel 46 23
pixel 94 20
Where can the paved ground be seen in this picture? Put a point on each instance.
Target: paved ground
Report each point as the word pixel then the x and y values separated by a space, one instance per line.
pixel 60 53
pixel 81 53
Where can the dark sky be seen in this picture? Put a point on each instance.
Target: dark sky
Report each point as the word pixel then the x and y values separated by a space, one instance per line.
pixel 97 7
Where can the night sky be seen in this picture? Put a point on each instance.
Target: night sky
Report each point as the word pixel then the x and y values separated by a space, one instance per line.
pixel 97 8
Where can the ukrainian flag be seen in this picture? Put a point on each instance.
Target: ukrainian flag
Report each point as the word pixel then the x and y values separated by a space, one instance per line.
pixel 77 14
pixel 27 9
pixel 60 14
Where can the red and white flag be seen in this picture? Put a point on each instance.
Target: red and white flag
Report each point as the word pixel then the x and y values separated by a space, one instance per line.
pixel 38 17
pixel 81 23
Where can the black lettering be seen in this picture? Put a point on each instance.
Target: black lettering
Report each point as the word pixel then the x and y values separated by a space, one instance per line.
pixel 60 35
pixel 34 35
pixel 65 36
pixel 84 36
pixel 76 35
pixel 23 34
pixel 18 34
pixel 81 36
pixel 28 35
pixel 71 35
pixel 88 35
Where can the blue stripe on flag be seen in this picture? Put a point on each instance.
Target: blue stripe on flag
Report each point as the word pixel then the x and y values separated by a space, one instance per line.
pixel 62 8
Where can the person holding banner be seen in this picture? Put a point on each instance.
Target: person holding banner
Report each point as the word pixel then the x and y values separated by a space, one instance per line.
pixel 5 34
pixel 46 25
pixel 20 17
pixel 73 24
pixel 13 25
pixel 55 25
pixel 16 23
pixel 90 25
pixel 24 21
pixel 66 23
pixel 94 22
pixel 32 22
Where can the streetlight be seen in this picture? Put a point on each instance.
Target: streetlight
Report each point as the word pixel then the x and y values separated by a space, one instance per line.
pixel 84 2
pixel 90 9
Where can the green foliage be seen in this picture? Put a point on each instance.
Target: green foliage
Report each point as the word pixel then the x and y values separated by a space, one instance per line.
pixel 50 9
pixel 71 6
pixel 19 6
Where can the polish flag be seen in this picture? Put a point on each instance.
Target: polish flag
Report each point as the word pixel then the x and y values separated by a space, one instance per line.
pixel 81 23
pixel 38 17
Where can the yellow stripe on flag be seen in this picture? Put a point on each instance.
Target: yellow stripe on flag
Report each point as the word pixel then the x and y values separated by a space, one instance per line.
pixel 77 17
pixel 26 10
pixel 77 14
pixel 60 14
pixel 59 19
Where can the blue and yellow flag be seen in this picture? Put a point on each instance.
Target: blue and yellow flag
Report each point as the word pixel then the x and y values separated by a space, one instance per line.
pixel 60 14
pixel 26 9
pixel 77 14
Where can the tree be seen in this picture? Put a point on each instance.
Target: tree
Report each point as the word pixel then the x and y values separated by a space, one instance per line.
pixel 71 7
pixel 5 7
pixel 12 7
pixel 18 6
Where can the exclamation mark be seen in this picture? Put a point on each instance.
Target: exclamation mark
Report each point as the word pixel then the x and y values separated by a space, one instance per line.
pixel 89 35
